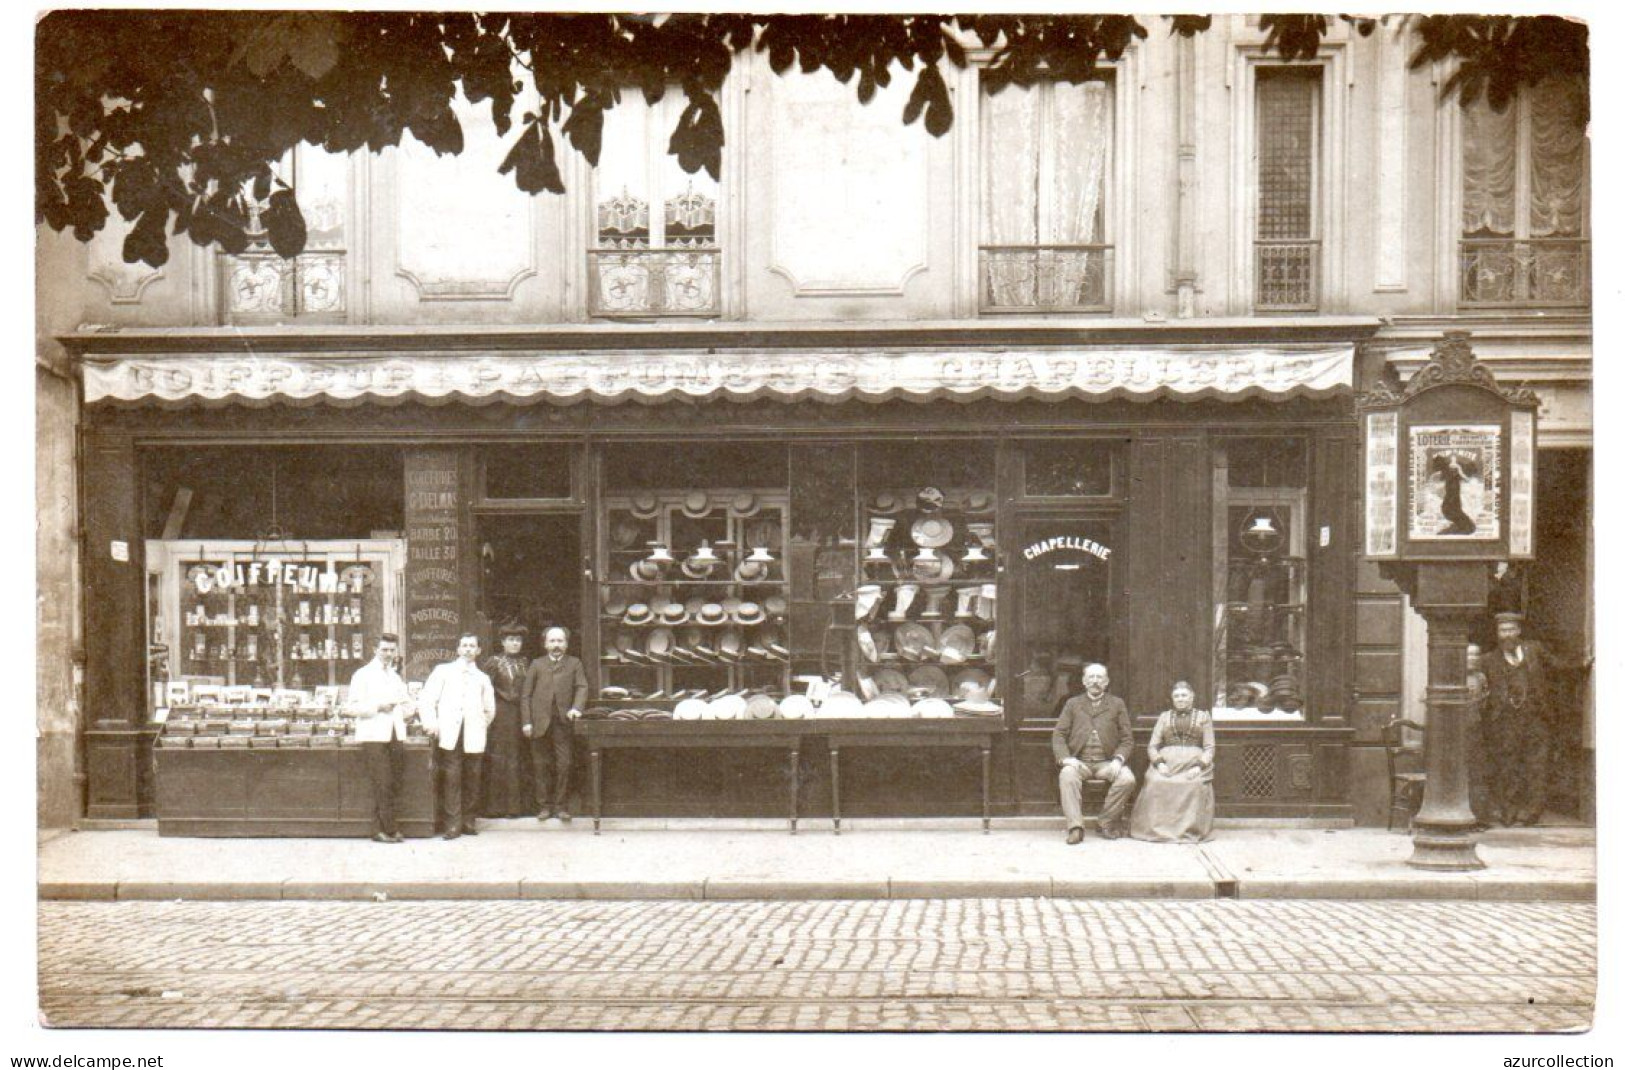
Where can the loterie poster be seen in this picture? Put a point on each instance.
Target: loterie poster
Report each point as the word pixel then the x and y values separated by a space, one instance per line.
pixel 1455 482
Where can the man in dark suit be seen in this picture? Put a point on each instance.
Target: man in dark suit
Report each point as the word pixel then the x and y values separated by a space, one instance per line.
pixel 1093 740
pixel 1515 719
pixel 554 691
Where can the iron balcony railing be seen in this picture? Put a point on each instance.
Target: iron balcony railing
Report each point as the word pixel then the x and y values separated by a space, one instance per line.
pixel 655 282
pixel 1525 272
pixel 1046 278
pixel 1286 275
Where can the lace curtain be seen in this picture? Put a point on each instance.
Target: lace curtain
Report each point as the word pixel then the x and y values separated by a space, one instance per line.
pixel 1045 178
pixel 1557 145
pixel 1078 132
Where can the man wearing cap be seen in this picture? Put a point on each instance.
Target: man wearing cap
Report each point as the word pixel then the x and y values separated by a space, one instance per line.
pixel 551 697
pixel 1092 741
pixel 378 701
pixel 504 780
pixel 456 707
pixel 1514 716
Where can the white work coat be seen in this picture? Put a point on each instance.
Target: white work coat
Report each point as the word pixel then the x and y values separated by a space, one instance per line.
pixel 375 701
pixel 458 697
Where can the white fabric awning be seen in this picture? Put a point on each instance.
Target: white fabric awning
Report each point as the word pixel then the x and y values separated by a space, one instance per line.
pixel 737 375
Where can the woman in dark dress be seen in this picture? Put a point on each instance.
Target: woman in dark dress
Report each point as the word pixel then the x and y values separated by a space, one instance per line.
pixel 504 779
pixel 1176 803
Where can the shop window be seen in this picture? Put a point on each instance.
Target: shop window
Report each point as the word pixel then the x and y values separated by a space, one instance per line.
pixel 692 574
pixel 1047 155
pixel 655 248
pixel 1261 578
pixel 861 572
pixel 271 574
pixel 517 471
pixel 1287 132
pixel 258 285
pixel 1525 224
pixel 926 609
pixel 316 492
pixel 1068 468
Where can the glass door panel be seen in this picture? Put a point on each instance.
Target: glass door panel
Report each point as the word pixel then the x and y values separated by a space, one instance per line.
pixel 1067 579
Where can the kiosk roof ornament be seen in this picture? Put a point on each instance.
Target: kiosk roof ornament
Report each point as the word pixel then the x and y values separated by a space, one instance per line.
pixel 1451 362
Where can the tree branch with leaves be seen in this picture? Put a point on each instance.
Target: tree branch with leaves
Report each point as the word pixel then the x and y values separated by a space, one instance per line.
pixel 177 120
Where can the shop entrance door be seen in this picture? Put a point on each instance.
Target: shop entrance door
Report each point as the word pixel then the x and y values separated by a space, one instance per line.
pixel 1067 612
pixel 529 574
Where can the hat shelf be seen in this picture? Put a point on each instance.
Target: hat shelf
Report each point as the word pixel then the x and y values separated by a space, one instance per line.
pixel 722 549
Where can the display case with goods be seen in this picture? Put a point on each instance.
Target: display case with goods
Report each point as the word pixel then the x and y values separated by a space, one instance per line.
pixel 287 615
pixel 253 648
pixel 926 607
pixel 1261 582
pixel 692 604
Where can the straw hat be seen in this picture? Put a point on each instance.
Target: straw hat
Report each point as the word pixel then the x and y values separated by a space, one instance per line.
pixel 841 704
pixel 700 564
pixel 978 501
pixel 932 708
pixel 646 570
pixel 727 708
pixel 711 614
pixel 888 704
pixel 931 531
pixel 796 707
pixel 673 614
pixel 743 504
pixel 885 503
pixel 638 613
pixel 749 613
pixel 690 709
pixel 761 707
pixel 891 681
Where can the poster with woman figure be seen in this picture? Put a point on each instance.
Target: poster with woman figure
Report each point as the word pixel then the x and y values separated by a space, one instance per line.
pixel 1455 482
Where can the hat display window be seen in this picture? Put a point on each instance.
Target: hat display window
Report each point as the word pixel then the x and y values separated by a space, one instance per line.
pixel 709 559
pixel 755 565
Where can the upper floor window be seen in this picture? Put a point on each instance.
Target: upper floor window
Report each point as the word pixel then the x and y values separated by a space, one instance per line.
pixel 261 287
pixel 655 249
pixel 1286 242
pixel 1524 213
pixel 1047 161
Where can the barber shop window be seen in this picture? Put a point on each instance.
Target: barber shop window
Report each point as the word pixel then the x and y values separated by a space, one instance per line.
pixel 1261 574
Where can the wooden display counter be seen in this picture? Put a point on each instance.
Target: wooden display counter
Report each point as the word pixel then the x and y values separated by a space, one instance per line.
pixel 293 791
pixel 791 737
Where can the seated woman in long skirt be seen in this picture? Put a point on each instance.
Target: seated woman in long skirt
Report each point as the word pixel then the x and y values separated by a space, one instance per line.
pixel 1176 803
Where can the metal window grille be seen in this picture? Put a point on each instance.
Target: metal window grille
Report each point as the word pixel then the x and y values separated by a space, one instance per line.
pixel 1286 252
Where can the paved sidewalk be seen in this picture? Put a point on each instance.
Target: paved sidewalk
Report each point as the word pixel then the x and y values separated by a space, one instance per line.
pixel 870 860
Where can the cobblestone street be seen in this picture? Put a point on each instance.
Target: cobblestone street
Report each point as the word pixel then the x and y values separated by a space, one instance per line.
pixel 1007 964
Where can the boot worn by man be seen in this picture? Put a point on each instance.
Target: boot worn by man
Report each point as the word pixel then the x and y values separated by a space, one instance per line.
pixel 1110 830
pixel 1074 836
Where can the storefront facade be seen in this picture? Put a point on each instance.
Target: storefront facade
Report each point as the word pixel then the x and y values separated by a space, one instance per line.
pixel 920 520
pixel 1126 434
